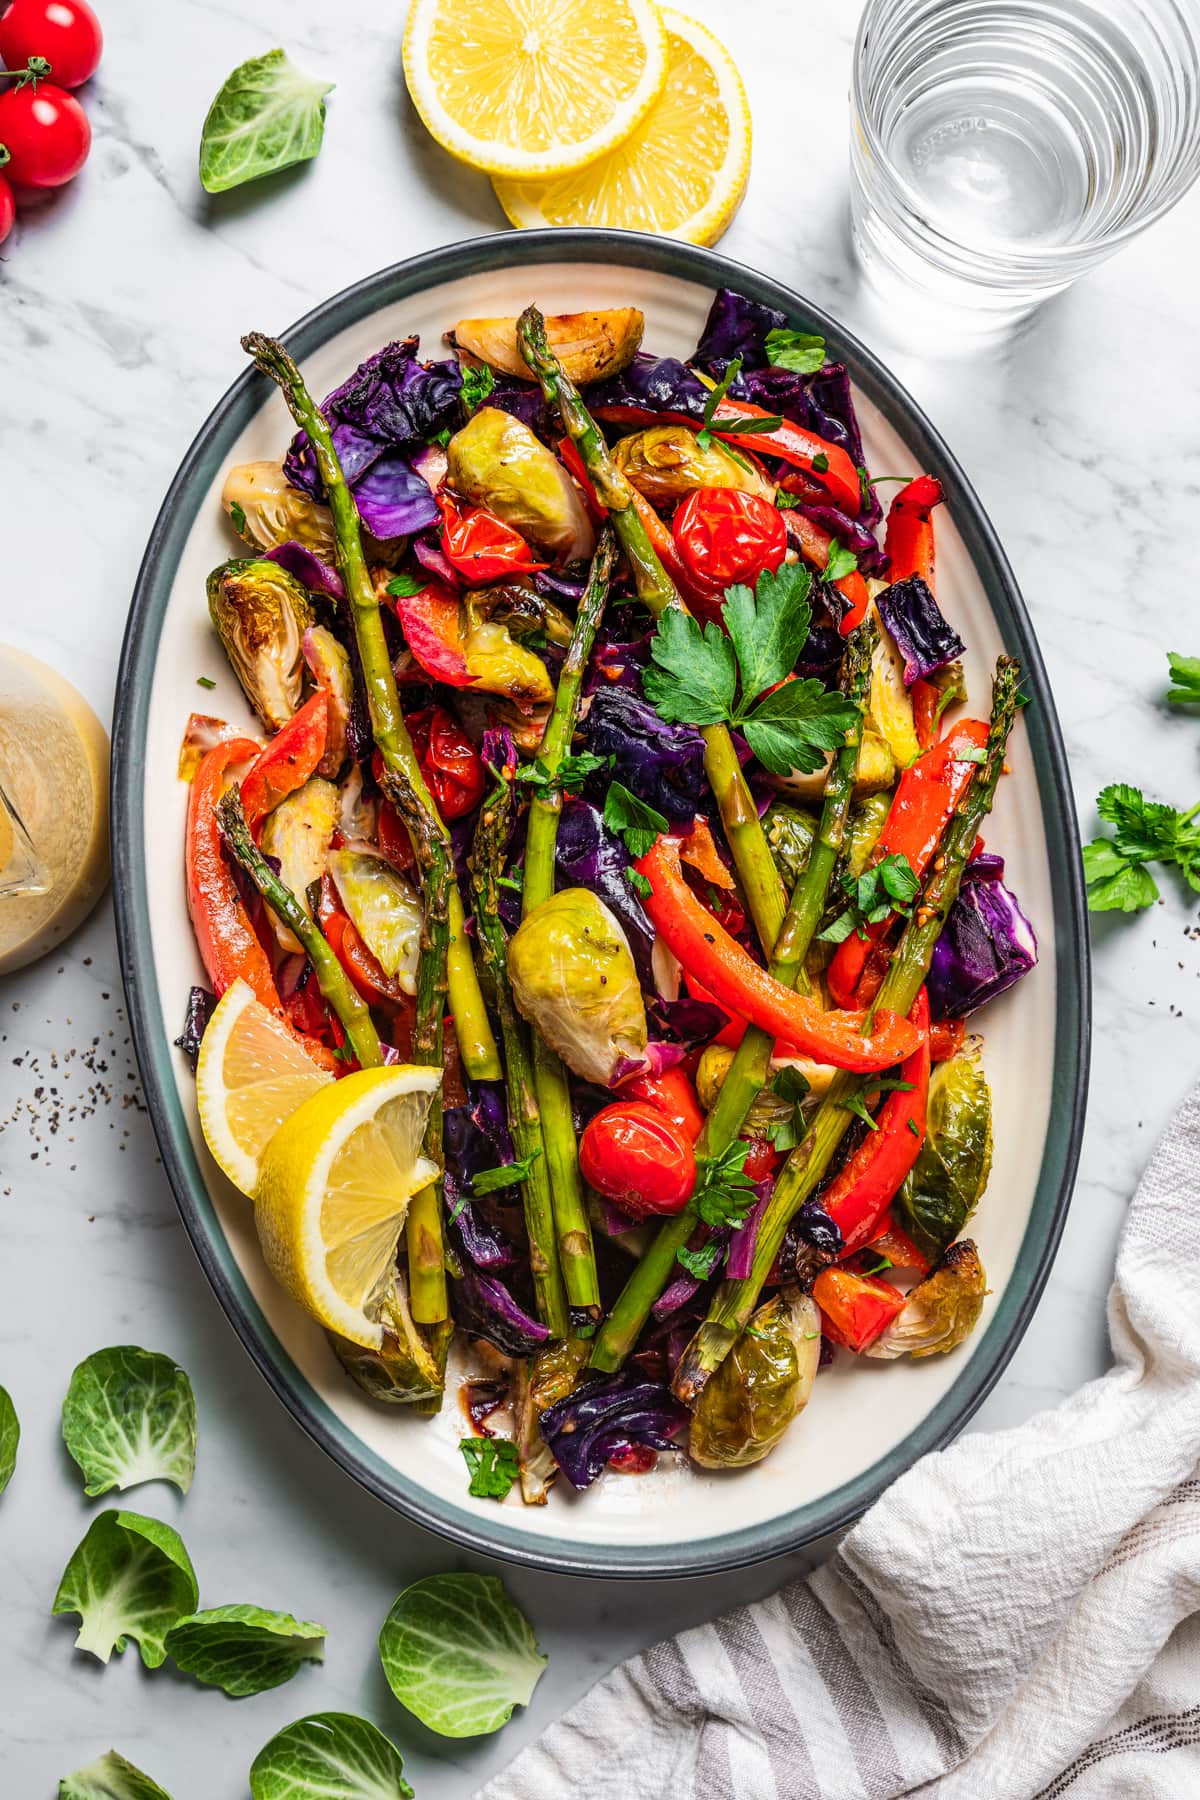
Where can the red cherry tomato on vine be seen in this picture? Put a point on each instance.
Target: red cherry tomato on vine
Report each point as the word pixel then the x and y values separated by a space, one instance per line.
pixel 8 209
pixel 66 32
pixel 637 1156
pixel 449 761
pixel 46 132
pixel 724 536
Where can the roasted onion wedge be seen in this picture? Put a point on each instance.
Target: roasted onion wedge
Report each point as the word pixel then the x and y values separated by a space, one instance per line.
pixel 589 345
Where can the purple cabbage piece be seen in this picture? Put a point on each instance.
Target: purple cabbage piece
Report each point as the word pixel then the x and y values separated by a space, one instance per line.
pixel 662 764
pixel 853 533
pixel 484 1307
pixel 604 1415
pixel 655 1059
pixel 914 619
pixel 654 384
pixel 433 559
pixel 523 399
pixel 631 657
pixel 476 1137
pixel 561 586
pixel 393 500
pixel 812 1225
pixel 308 568
pixel 687 1022
pixel 987 866
pixel 200 1005
pixel 589 855
pixel 736 327
pixel 741 1244
pixel 986 945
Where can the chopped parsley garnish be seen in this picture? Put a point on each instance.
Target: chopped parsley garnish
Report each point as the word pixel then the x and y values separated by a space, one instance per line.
pixel 820 463
pixel 488 1181
pixel 888 886
pixel 573 771
pixel 736 427
pixel 238 515
pixel 856 1102
pixel 635 822
pixel 724 1193
pixel 842 562
pixel 803 352
pixel 701 1262
pixel 477 384
pixel 638 883
pixel 205 681
pixel 494 1465
pixel 403 587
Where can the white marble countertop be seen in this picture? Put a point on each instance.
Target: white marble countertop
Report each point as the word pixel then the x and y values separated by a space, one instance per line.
pixel 121 304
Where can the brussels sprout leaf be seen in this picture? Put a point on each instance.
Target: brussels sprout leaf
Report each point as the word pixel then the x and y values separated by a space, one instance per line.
pixel 458 1654
pixel 130 1416
pixel 130 1577
pixel 244 1649
pixel 267 116
pixel 329 1756
pixel 110 1777
pixel 10 1433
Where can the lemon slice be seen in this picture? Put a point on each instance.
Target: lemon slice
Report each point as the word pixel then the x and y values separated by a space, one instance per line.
pixel 533 87
pixel 250 1074
pixel 333 1188
pixel 681 173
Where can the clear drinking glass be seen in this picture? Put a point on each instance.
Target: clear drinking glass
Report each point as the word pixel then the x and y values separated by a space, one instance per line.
pixel 1002 148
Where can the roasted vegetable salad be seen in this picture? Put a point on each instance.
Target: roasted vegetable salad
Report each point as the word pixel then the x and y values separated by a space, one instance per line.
pixel 613 759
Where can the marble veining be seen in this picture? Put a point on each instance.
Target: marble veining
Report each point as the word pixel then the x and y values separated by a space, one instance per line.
pixel 121 304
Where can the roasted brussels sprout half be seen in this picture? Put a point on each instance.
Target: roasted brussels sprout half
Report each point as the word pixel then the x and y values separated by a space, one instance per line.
pixel 497 462
pixel 329 663
pixel 497 662
pixel 762 1385
pixel 261 614
pixel 955 1160
pixel 767 1110
pixel 876 771
pixel 409 1368
pixel 941 1312
pixel 665 462
pixel 556 1369
pixel 298 833
pixel 266 511
pixel 525 613
pixel 865 823
pixel 790 833
pixel 589 345
pixel 383 909
pixel 573 978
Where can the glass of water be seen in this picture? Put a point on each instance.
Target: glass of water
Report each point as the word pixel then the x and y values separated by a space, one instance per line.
pixel 1002 148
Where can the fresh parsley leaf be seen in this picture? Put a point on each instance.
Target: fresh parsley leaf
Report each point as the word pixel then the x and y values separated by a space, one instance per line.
pixel 914 1128
pixel 573 771
pixel 785 501
pixel 515 881
pixel 699 1263
pixel 442 438
pixel 842 562
pixel 784 1134
pixel 507 1175
pixel 791 1084
pixel 494 1466
pixel 694 677
pixel 890 885
pixel 724 1193
pixel 820 463
pixel 403 587
pixel 839 929
pixel 769 625
pixel 638 824
pixel 238 515
pixel 877 1086
pixel 803 352
pixel 974 753
pixel 793 727
pixel 477 384
pixel 897 877
pixel 639 884
pixel 1185 674
pixel 205 681
pixel 1114 883
pixel 865 491
pixel 715 396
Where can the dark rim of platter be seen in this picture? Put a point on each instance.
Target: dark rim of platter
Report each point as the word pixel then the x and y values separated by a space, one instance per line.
pixel 491 1533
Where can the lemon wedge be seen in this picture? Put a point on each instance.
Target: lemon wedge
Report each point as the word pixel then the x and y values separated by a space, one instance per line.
pixel 533 88
pixel 333 1188
pixel 250 1074
pixel 681 173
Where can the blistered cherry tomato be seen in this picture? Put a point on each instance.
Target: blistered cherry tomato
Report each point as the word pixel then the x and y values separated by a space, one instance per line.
pixel 637 1156
pixel 724 536
pixel 673 1094
pixel 8 209
pixel 66 32
pixel 393 838
pixel 762 1159
pixel 449 761
pixel 480 546
pixel 46 132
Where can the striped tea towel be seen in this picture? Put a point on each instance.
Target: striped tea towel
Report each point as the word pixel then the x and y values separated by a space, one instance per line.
pixel 1018 1618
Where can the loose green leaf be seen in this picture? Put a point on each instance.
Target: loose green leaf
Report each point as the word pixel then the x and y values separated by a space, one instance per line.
pixel 1144 831
pixel 715 397
pixel 694 677
pixel 842 562
pixel 130 1578
pixel 244 1649
pixel 237 514
pixel 801 351
pixel 638 824
pixel 573 771
pixel 130 1416
pixel 701 1262
pixel 507 1175
pixel 769 625
pixel 477 384
pixel 724 1193
pixel 794 727
pixel 403 587
pixel 972 753
pixel 896 875
pixel 268 116
pixel 639 884
pixel 1113 884
pixel 329 1756
pixel 493 1464
pixel 110 1777
pixel 1185 675
pixel 785 501
pixel 205 681
pixel 876 1086
pixel 458 1654
pixel 888 886
pixel 10 1437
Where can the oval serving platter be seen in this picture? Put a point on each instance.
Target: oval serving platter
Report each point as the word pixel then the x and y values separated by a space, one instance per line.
pixel 866 1423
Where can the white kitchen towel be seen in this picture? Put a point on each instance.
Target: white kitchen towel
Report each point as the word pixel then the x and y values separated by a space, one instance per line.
pixel 1018 1618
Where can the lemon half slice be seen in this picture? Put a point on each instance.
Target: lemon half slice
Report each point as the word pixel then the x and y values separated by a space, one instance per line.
pixel 681 173
pixel 250 1074
pixel 333 1189
pixel 533 87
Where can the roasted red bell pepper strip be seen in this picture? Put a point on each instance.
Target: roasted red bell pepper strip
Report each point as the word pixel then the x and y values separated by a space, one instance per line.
pixel 480 546
pixel 288 760
pixel 432 631
pixel 791 443
pixel 569 455
pixel 925 699
pixel 815 545
pixel 899 1249
pixel 908 539
pixel 855 1309
pixel 673 1094
pixel 946 1039
pixel 374 986
pixel 859 1195
pixel 926 795
pixel 742 986
pixel 228 945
